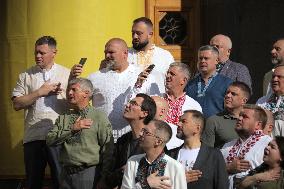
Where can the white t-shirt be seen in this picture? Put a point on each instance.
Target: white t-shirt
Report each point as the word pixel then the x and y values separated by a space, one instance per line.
pixel 187 157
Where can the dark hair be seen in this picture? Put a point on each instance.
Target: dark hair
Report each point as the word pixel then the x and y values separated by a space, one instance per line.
pixel 50 41
pixel 244 87
pixel 259 113
pixel 163 130
pixel 197 117
pixel 148 105
pixel 280 143
pixel 146 20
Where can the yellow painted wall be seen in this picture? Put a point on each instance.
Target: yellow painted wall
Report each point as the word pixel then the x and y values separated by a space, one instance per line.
pixel 81 28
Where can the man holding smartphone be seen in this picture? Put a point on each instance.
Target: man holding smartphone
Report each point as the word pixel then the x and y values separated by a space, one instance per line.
pixel 112 84
pixel 40 92
pixel 144 53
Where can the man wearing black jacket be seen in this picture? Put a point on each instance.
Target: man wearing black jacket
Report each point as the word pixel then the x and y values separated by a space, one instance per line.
pixel 138 112
pixel 204 166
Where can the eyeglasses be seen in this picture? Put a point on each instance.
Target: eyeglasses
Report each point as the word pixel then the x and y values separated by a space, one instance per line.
pixel 134 103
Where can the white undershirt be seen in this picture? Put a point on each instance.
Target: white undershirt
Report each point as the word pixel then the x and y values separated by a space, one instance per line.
pixel 187 157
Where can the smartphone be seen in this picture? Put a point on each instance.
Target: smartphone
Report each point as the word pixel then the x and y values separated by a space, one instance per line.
pixel 82 61
pixel 150 68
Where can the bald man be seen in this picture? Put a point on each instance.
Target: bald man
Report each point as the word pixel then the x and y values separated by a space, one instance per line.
pixel 226 67
pixel 161 114
pixel 112 84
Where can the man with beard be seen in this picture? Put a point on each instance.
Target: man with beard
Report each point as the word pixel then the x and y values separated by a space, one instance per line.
pixel 275 102
pixel 204 166
pixel 246 152
pixel 277 57
pixel 112 84
pixel 143 53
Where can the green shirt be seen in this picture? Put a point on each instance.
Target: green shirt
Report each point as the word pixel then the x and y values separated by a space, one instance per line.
pixel 219 129
pixel 87 147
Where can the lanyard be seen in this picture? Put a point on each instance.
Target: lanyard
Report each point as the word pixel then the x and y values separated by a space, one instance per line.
pixel 200 92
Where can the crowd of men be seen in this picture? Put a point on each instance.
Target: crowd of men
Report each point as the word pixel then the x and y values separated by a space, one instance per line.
pixel 147 127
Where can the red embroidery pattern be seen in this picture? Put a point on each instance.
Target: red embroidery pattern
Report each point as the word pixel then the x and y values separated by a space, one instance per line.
pixel 239 150
pixel 175 109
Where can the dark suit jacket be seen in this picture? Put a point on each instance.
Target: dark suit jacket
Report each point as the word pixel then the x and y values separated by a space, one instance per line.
pixel 122 152
pixel 211 163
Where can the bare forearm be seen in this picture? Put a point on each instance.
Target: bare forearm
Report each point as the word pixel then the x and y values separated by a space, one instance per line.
pixel 22 102
pixel 248 181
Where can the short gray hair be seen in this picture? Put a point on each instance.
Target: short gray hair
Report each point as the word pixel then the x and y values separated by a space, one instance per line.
pixel 184 68
pixel 211 48
pixel 85 84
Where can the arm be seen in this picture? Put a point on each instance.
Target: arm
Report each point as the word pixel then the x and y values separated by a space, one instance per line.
pixel 259 177
pixel 105 140
pixel 60 132
pixel 244 76
pixel 21 100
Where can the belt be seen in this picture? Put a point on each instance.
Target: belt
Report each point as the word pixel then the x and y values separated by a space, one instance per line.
pixel 70 169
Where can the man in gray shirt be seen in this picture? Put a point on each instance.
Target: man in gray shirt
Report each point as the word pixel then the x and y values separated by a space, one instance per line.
pixel 226 67
pixel 219 128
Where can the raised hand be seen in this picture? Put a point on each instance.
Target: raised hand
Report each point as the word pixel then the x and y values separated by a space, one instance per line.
pixel 76 70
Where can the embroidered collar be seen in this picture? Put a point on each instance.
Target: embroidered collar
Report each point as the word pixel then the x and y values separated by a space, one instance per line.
pixel 200 92
pixel 227 115
pixel 241 148
pixel 275 104
pixel 175 108
pixel 146 168
pixel 144 59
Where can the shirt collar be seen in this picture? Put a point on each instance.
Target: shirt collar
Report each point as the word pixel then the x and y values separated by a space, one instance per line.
pixel 172 100
pixel 227 115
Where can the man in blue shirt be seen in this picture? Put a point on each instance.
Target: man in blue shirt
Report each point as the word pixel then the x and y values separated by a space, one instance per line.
pixel 209 87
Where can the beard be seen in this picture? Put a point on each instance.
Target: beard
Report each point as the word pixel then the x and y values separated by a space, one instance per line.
pixel 109 64
pixel 139 46
pixel 180 135
pixel 276 60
